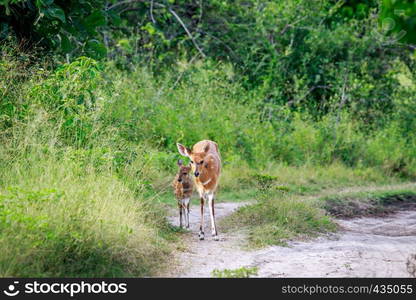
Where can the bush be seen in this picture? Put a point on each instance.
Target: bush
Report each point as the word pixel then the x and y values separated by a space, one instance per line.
pixel 68 96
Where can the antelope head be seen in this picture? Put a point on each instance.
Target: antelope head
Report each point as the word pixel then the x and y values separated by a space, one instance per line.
pixel 199 163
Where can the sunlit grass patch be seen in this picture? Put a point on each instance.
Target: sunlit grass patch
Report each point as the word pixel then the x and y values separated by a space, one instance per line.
pixel 274 219
pixel 59 219
pixel 243 272
pixel 278 217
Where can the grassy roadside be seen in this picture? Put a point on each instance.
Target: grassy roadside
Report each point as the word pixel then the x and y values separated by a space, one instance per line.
pixel 277 217
pixel 62 220
pixel 369 203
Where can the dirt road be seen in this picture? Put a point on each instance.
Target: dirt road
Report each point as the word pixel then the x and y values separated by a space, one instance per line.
pixel 363 247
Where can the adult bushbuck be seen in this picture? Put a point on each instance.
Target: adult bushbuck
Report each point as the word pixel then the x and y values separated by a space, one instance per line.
pixel 206 166
pixel 183 187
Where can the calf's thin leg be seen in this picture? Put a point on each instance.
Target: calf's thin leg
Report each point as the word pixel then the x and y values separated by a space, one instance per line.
pixel 186 211
pixel 188 216
pixel 180 216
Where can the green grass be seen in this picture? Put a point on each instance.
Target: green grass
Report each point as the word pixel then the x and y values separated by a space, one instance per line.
pixel 274 219
pixel 72 212
pixel 57 219
pixel 243 272
pixel 279 216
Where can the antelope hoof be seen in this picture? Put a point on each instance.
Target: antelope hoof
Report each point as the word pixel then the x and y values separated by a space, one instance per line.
pixel 201 236
pixel 216 238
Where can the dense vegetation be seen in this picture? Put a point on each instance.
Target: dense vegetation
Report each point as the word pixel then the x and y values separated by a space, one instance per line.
pixel 95 95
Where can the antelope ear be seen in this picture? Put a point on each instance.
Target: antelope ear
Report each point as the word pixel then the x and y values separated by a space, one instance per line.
pixel 183 150
pixel 206 149
pixel 180 162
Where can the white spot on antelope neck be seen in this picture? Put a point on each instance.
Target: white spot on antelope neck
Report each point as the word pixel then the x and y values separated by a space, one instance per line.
pixel 206 182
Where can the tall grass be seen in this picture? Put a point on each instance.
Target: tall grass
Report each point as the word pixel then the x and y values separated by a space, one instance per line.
pixel 62 214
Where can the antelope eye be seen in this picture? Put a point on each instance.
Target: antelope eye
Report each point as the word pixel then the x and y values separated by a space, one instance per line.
pixel 192 162
pixel 201 162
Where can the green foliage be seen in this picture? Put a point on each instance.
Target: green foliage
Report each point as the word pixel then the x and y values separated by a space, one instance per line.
pixel 84 98
pixel 242 272
pixel 315 56
pixel 265 181
pixel 65 26
pixel 356 8
pixel 16 68
pixel 69 95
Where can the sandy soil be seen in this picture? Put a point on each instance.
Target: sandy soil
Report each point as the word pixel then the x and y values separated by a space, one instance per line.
pixel 363 247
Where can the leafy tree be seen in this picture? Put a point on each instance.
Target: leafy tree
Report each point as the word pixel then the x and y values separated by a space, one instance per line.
pixel 66 26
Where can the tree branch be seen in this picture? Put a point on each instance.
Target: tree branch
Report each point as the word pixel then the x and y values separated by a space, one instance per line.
pixel 187 31
pixel 151 12
pixel 172 12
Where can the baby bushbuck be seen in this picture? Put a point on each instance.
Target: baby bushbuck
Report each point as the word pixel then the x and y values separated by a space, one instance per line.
pixel 183 187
